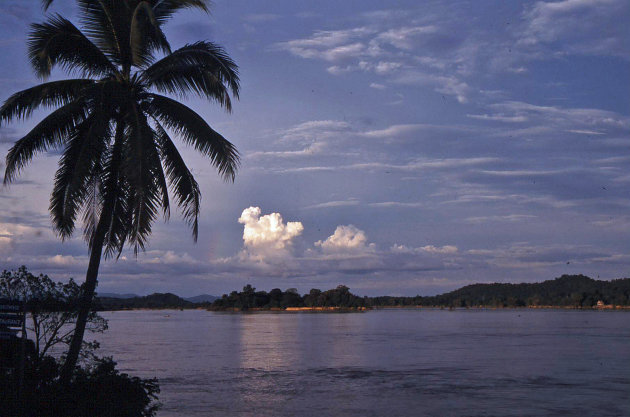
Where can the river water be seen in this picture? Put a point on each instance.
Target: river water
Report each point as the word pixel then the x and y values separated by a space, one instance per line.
pixel 379 363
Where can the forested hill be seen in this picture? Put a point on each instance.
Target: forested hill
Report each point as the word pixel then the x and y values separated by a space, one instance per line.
pixel 156 301
pixel 576 291
pixel 566 291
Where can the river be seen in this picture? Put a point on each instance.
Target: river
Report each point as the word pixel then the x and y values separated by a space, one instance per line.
pixel 379 363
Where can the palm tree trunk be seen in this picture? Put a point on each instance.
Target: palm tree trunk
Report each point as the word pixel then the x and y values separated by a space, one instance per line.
pixel 91 277
pixel 85 303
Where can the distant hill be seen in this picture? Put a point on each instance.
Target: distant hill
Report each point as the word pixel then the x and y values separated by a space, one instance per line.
pixel 576 291
pixel 203 298
pixel 157 301
pixel 116 295
pixel 565 291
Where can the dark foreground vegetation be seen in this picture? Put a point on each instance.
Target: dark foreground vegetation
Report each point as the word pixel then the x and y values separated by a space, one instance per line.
pixel 30 377
pixel 96 389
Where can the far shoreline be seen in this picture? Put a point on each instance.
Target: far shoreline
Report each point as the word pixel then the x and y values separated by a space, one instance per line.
pixel 568 292
pixel 333 310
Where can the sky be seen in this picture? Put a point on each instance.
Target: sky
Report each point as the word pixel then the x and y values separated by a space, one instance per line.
pixel 396 147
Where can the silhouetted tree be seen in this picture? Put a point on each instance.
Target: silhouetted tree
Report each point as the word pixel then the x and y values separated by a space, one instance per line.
pixel 118 162
pixel 52 308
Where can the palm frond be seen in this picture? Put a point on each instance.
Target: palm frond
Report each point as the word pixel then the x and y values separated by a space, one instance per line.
pixel 93 204
pixel 142 173
pixel 58 42
pixel 46 4
pixel 182 181
pixel 164 9
pixel 146 35
pixel 52 94
pixel 196 132
pixel 76 171
pixel 185 79
pixel 107 22
pixel 121 220
pixel 113 191
pixel 160 177
pixel 50 133
pixel 201 67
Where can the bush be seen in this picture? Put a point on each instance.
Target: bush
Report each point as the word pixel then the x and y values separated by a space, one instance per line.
pixel 96 390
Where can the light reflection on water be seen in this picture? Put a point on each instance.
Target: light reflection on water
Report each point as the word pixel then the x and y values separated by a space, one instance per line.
pixel 392 362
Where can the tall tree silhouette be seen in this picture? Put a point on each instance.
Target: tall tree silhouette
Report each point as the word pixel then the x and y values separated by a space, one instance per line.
pixel 112 125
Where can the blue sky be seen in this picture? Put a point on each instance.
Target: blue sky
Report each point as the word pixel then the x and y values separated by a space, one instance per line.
pixel 397 147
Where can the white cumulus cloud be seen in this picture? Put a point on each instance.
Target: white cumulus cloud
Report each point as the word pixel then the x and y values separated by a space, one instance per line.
pixel 448 249
pixel 346 238
pixel 430 249
pixel 267 236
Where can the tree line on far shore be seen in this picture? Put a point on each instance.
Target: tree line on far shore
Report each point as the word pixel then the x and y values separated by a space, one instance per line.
pixel 249 298
pixel 573 291
pixel 576 291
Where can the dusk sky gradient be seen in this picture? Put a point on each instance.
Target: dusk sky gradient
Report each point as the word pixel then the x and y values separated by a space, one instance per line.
pixel 396 147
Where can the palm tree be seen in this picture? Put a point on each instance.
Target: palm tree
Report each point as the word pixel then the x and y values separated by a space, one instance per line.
pixel 112 125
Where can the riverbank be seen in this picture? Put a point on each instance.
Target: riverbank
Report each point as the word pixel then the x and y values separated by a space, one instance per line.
pixel 365 309
pixel 293 310
pixel 490 307
pixel 340 309
pixel 566 292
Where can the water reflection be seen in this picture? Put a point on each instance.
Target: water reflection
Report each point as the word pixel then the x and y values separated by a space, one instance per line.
pixel 277 348
pixel 390 363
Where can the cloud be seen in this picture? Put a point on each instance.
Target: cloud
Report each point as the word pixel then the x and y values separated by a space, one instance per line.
pixel 448 249
pixel 394 130
pixel 589 27
pixel 313 138
pixel 566 118
pixel 523 173
pixel 267 236
pixel 311 150
pixel 168 257
pixel 498 118
pixel 585 132
pixel 16 13
pixel 338 203
pixel 346 239
pixel 451 85
pixel 261 17
pixel 330 45
pixel 417 165
pixel 526 255
pixel 313 130
pixel 428 249
pixel 8 135
pixel 398 204
pixel 505 218
pixel 405 37
pixel 14 235
pixel 451 51
pixel 388 50
pixel 65 260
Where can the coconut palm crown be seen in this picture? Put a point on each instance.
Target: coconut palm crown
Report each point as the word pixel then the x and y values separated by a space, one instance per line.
pixel 113 123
